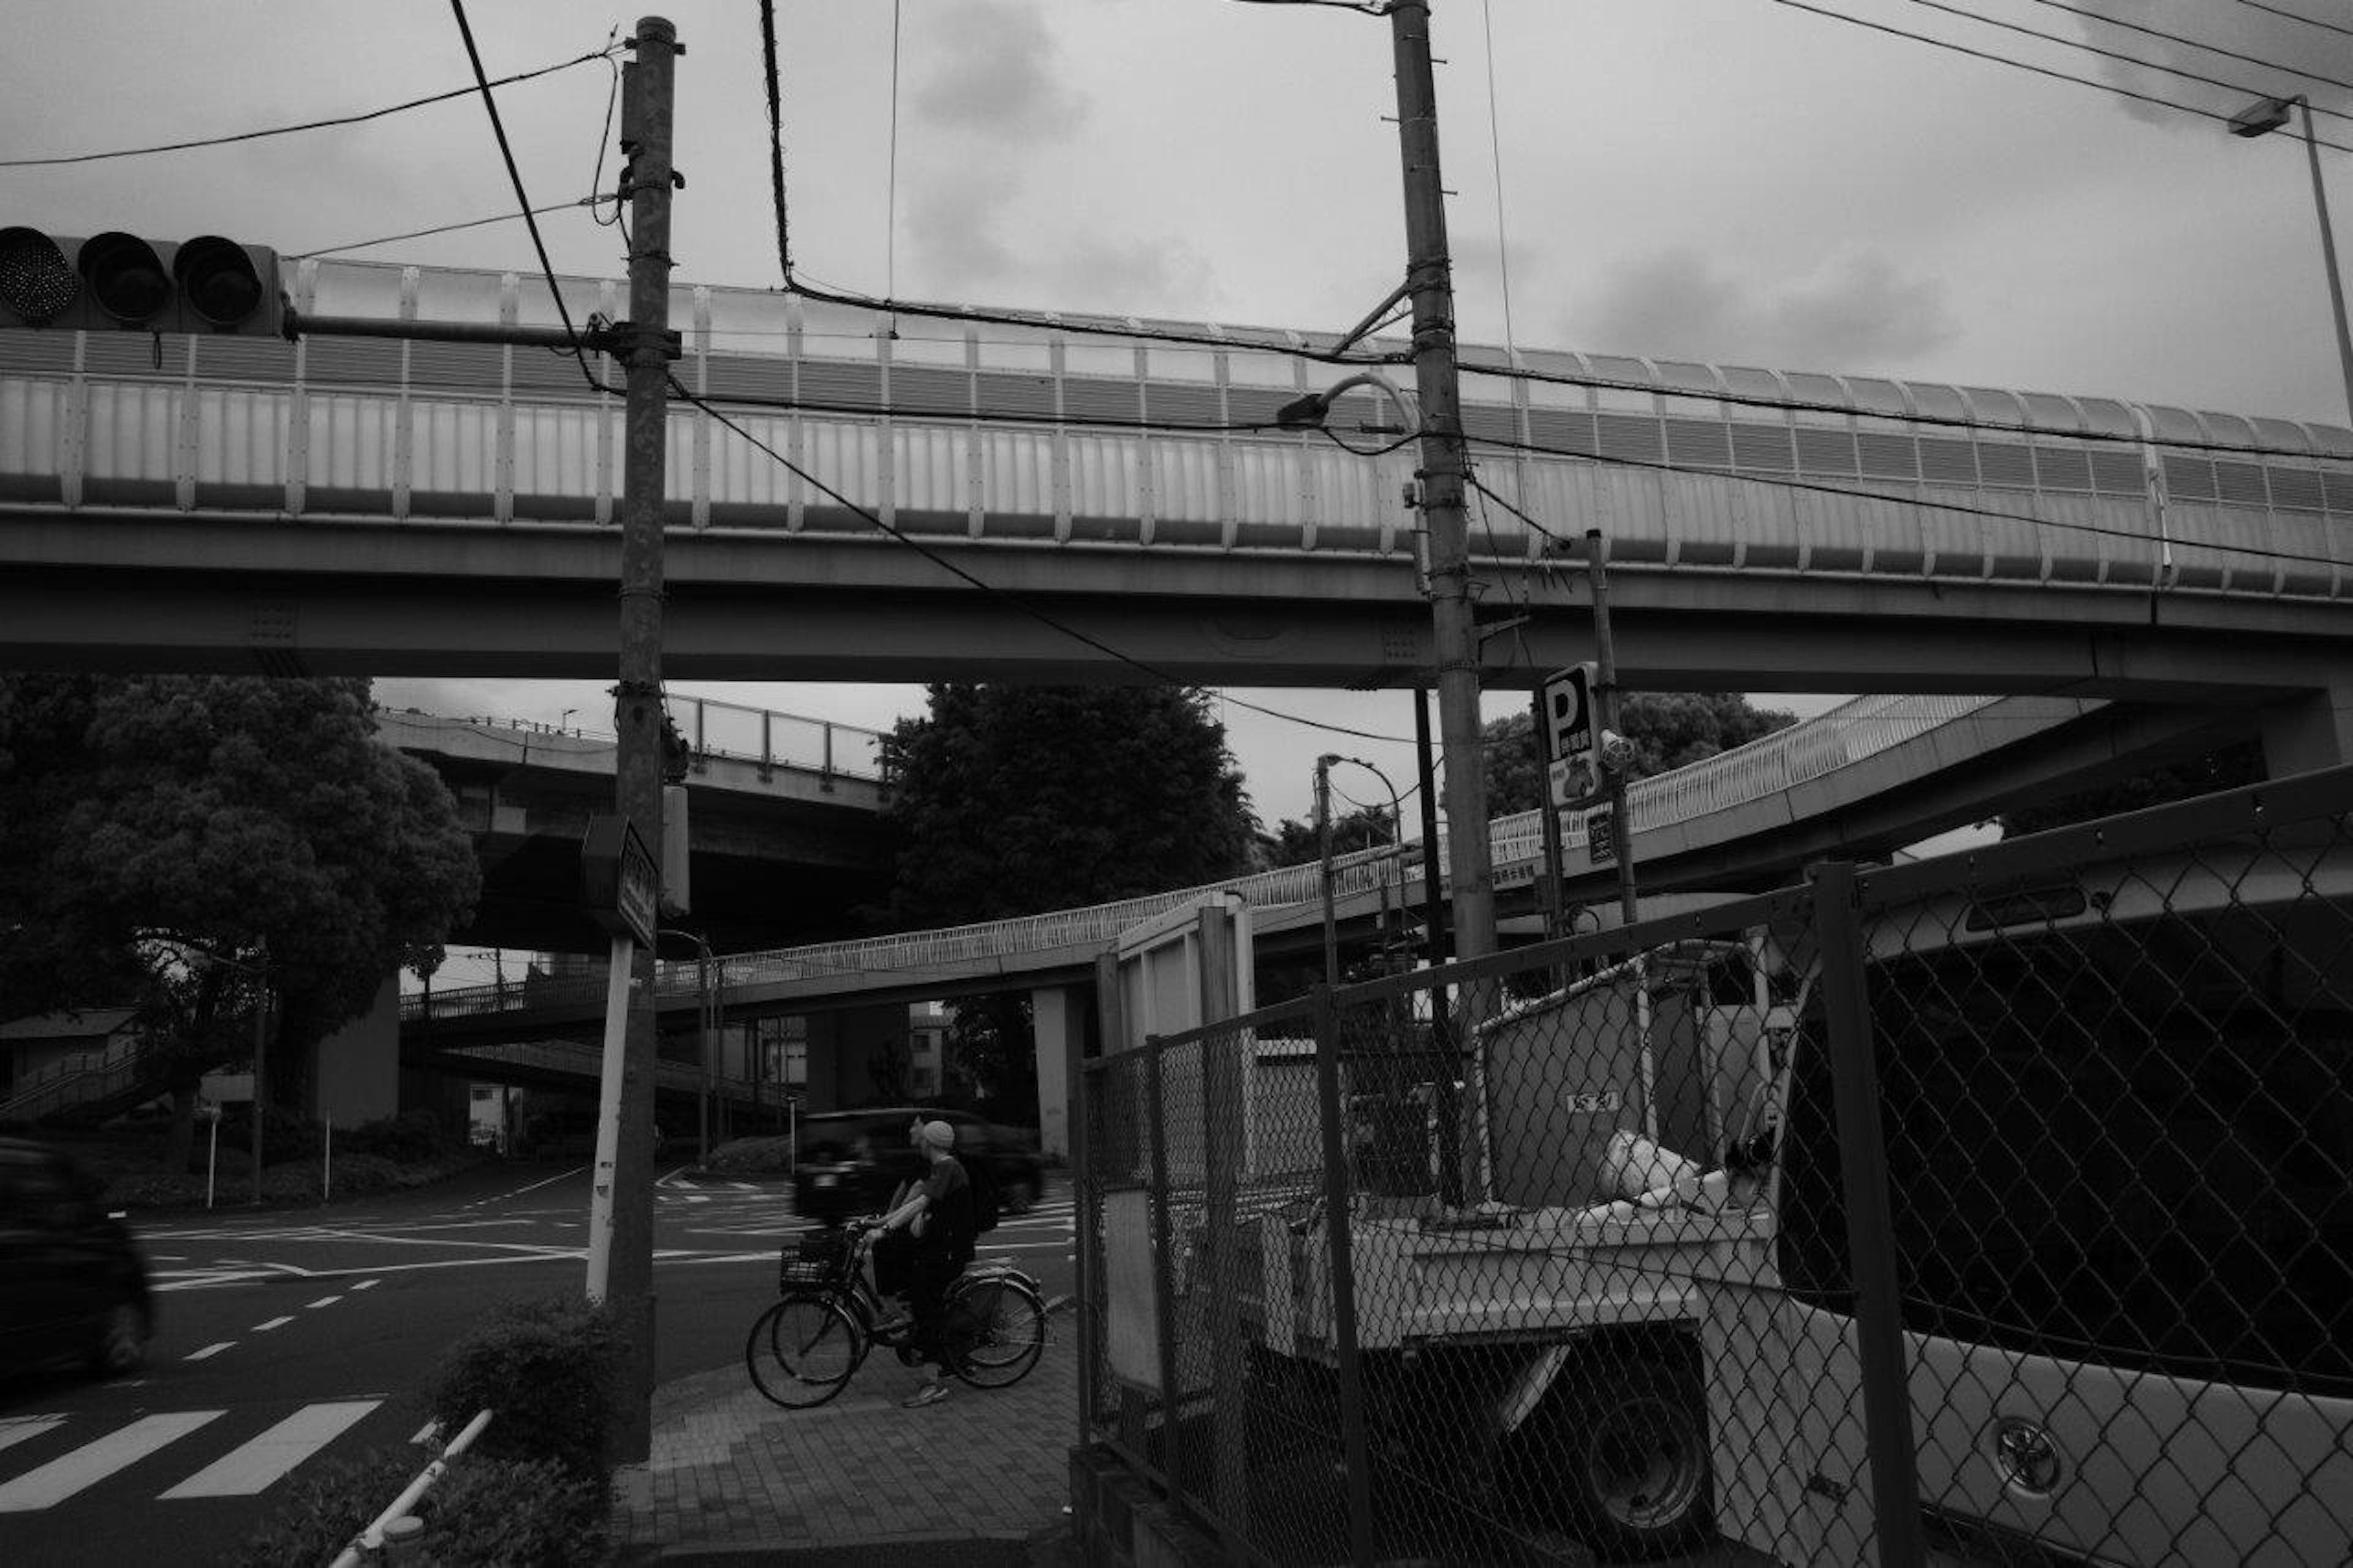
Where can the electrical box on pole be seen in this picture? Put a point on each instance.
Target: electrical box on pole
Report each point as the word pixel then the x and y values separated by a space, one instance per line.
pixel 1572 735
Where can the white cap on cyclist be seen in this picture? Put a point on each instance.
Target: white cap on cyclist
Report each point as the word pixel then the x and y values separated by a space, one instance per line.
pixel 939 1135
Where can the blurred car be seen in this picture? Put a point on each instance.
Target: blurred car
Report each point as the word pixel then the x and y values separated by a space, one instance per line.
pixel 73 1286
pixel 851 1162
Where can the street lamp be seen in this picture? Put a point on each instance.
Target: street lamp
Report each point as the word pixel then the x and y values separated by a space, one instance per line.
pixel 2261 118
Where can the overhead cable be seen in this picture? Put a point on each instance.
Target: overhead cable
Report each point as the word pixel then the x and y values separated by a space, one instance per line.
pixel 2021 65
pixel 289 129
pixel 2091 49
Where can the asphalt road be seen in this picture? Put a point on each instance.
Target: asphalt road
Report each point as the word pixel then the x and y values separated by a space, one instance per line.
pixel 287 1338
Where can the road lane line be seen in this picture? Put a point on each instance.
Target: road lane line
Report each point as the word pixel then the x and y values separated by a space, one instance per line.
pixel 94 1462
pixel 208 1352
pixel 364 1285
pixel 322 1302
pixel 16 1428
pixel 247 1469
pixel 273 1323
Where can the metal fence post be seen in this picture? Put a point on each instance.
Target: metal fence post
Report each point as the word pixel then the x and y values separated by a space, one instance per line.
pixel 1163 1287
pixel 1869 1220
pixel 1353 1445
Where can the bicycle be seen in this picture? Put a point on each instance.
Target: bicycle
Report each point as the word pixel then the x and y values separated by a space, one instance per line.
pixel 804 1347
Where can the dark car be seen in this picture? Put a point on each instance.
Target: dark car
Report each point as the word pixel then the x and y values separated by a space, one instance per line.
pixel 851 1162
pixel 73 1284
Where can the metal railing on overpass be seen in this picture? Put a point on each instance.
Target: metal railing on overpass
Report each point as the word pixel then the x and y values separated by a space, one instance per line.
pixel 1849 733
pixel 1037 431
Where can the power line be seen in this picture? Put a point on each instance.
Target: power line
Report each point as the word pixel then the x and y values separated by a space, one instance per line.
pixel 1087 639
pixel 2092 49
pixel 291 129
pixel 443 228
pixel 2193 43
pixel 2296 16
pixel 1946 421
pixel 1956 508
pixel 2021 65
pixel 522 198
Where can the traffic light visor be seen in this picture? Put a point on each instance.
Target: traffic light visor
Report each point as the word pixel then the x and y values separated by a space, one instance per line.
pixel 218 280
pixel 125 277
pixel 37 283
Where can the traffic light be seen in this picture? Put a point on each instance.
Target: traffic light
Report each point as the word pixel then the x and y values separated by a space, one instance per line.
pixel 119 281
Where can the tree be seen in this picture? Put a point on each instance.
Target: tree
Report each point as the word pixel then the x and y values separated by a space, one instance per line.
pixel 185 840
pixel 1014 800
pixel 1667 729
pixel 1296 843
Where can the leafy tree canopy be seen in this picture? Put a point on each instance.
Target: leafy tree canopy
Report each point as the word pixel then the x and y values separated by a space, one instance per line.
pixel 1668 730
pixel 1295 843
pixel 1011 800
pixel 168 837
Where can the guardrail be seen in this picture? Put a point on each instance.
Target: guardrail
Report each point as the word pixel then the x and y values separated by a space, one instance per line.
pixel 1848 733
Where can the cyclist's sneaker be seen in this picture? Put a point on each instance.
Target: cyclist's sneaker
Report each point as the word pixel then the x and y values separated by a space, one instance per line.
pixel 929 1393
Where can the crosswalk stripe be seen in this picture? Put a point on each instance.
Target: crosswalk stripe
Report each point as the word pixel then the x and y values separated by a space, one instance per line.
pixel 94 1462
pixel 253 1466
pixel 18 1428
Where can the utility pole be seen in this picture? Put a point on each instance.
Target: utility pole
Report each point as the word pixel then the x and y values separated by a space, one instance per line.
pixel 1438 381
pixel 648 100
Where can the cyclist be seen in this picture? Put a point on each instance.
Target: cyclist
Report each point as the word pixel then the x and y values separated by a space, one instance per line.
pixel 938 1215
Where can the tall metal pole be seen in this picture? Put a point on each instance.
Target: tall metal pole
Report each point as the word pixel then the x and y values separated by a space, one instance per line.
pixel 1438 379
pixel 1597 554
pixel 636 706
pixel 1323 860
pixel 2328 255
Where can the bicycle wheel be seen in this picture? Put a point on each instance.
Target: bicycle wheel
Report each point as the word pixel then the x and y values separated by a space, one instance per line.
pixel 802 1350
pixel 1009 1330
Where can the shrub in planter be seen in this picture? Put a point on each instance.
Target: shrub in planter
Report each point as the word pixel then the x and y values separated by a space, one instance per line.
pixel 409 1138
pixel 329 1504
pixel 514 1513
pixel 551 1370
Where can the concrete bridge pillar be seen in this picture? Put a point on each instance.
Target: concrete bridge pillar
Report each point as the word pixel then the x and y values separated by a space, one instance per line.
pixel 1058 1016
pixel 2312 730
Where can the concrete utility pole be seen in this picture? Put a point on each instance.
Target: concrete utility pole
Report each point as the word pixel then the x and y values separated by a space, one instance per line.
pixel 649 101
pixel 1437 379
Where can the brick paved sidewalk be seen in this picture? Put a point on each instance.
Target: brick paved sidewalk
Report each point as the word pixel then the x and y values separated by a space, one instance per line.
pixel 734 1477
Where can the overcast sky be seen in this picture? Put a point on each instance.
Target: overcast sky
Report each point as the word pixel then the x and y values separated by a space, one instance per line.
pixel 1741 181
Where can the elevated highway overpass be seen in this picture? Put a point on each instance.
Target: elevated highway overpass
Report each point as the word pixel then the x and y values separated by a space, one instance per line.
pixel 389 508
pixel 784 817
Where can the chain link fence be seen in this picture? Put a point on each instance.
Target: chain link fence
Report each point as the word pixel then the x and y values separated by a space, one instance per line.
pixel 1990 1209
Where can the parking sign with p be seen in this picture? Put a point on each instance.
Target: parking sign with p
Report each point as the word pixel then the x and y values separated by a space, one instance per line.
pixel 1572 728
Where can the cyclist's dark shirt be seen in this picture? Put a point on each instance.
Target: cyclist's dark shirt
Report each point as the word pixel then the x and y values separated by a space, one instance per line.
pixel 949 1224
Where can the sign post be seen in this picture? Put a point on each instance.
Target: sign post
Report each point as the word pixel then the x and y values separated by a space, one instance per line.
pixel 620 885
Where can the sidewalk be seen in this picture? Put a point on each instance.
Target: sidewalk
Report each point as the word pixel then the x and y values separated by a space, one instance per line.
pixel 982 1478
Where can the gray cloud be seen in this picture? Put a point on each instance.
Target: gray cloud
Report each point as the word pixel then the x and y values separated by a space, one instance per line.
pixel 1859 314
pixel 999 75
pixel 2296 57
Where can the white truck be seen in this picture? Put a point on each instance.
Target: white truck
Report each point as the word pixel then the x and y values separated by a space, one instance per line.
pixel 2118 1117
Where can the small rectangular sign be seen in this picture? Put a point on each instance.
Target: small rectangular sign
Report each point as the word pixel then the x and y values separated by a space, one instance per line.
pixel 1601 836
pixel 620 882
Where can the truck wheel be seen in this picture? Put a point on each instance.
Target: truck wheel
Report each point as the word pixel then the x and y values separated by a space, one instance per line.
pixel 1622 1448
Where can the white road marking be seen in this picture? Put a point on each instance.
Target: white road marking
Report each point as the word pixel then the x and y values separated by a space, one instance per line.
pixel 253 1465
pixel 427 1434
pixel 208 1352
pixel 273 1323
pixel 94 1462
pixel 322 1302
pixel 364 1285
pixel 16 1428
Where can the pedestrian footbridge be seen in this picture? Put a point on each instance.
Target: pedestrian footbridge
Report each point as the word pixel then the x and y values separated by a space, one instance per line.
pixel 1869 775
pixel 854 496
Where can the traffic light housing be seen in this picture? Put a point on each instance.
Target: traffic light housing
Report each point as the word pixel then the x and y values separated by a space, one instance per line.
pixel 118 281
